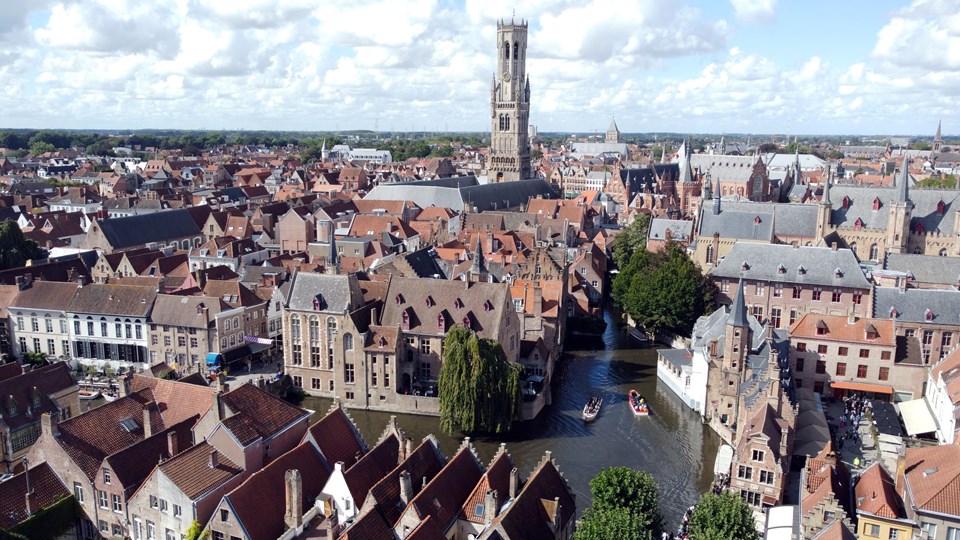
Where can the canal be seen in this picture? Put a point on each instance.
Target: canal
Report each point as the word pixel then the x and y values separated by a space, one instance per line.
pixel 671 444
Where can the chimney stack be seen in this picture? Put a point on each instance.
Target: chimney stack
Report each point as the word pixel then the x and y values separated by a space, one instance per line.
pixel 537 299
pixel 490 506
pixel 28 499
pixel 514 482
pixel 48 425
pixel 215 459
pixel 172 447
pixel 406 487
pixel 294 514
pixel 147 428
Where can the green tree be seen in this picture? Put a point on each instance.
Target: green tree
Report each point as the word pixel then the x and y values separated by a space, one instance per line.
pixel 195 531
pixel 536 154
pixel 631 239
pixel 479 389
pixel 616 523
pixel 921 145
pixel 444 150
pixel 16 249
pixel 616 488
pixel 722 517
pixel 40 147
pixel 663 291
pixel 947 181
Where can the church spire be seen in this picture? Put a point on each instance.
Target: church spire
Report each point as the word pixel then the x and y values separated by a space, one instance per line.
pixel 716 197
pixel 902 195
pixel 738 310
pixel 479 266
pixel 686 174
pixel 825 198
pixel 937 139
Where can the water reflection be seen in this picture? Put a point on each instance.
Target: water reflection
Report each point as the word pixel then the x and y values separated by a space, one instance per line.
pixel 671 443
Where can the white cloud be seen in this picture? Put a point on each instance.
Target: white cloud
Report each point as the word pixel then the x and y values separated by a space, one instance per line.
pixel 754 10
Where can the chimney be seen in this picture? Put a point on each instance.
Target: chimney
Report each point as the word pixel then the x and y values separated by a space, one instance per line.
pixel 221 407
pixel 172 447
pixel 375 315
pixel 537 299
pixel 514 482
pixel 28 498
pixel 124 389
pixel 147 429
pixel 406 488
pixel 48 425
pixel 490 506
pixel 294 514
pixel 833 246
pixel 215 460
pixel 423 483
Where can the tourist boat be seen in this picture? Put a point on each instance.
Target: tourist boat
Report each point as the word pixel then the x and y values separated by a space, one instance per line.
pixel 638 405
pixel 90 394
pixel 638 334
pixel 592 409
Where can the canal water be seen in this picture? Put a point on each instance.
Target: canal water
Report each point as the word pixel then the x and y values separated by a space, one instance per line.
pixel 671 444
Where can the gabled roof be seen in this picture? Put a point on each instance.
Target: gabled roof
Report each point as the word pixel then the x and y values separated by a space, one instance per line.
pixel 144 228
pixel 44 483
pixel 191 472
pixel 839 328
pixel 132 465
pixel 933 478
pixel 337 438
pixel 254 413
pixel 47 295
pixel 259 503
pixel 372 467
pixel 424 462
pixel 530 515
pixel 114 300
pixel 445 494
pixel 801 265
pixel 497 478
pixel 876 494
pixel 334 291
pixel 177 400
pixel 32 391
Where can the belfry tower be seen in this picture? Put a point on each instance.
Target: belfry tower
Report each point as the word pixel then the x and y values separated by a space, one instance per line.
pixel 510 106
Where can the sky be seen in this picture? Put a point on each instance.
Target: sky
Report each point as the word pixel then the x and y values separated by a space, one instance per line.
pixel 782 67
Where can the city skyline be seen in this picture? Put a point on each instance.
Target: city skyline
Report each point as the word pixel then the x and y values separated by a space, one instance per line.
pixel 426 65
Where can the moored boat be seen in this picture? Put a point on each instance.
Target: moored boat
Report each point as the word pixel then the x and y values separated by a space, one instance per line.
pixel 592 409
pixel 638 404
pixel 89 394
pixel 638 334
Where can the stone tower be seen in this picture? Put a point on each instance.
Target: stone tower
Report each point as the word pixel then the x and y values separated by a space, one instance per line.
pixel 898 226
pixel 613 133
pixel 736 348
pixel 510 106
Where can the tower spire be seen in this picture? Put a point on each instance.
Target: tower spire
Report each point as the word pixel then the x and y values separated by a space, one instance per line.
pixel 825 198
pixel 686 175
pixel 716 196
pixel 738 310
pixel 478 267
pixel 902 195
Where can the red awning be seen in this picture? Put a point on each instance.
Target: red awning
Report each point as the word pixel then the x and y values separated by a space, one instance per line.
pixel 861 387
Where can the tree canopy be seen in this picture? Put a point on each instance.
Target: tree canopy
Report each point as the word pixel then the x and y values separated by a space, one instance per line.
pixel 722 517
pixel 626 504
pixel 479 389
pixel 663 291
pixel 16 249
pixel 947 181
pixel 631 239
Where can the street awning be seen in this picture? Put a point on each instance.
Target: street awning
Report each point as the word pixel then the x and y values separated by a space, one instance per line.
pixel 917 417
pixel 213 358
pixel 861 387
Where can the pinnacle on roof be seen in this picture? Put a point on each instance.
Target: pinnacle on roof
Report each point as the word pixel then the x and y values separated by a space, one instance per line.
pixel 686 175
pixel 613 125
pixel 738 310
pixel 478 265
pixel 825 199
pixel 903 183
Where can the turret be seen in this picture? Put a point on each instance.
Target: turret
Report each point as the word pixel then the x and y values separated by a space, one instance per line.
pixel 716 197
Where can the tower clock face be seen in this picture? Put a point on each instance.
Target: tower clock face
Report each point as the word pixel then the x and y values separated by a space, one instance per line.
pixel 506 76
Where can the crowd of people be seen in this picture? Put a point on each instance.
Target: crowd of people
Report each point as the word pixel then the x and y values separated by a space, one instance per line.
pixel 682 533
pixel 848 425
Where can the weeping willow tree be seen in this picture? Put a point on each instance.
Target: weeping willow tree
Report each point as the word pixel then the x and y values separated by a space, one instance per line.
pixel 479 388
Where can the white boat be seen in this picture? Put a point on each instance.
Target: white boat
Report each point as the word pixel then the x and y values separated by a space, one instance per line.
pixel 90 394
pixel 592 409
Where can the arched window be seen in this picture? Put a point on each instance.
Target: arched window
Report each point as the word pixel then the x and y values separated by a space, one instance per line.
pixel 874 252
pixel 516 50
pixel 506 50
pixel 185 244
pixel 709 254
pixel 295 327
pixel 331 324
pixel 348 342
pixel 506 123
pixel 314 329
pixel 943 252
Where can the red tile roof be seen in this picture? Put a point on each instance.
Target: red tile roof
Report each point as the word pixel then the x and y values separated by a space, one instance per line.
pixel 132 465
pixel 933 478
pixel 47 489
pixel 372 467
pixel 369 525
pixel 497 478
pixel 445 494
pixel 529 516
pixel 337 438
pixel 838 328
pixel 259 503
pixel 876 494
pixel 424 462
pixel 429 529
pixel 92 436
pixel 255 413
pixel 177 400
pixel 191 471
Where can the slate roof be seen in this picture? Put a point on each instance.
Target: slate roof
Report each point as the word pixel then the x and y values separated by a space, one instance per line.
pixel 47 295
pixel 254 413
pixel 788 219
pixel 933 478
pixel 259 503
pixel 191 472
pixel 912 305
pixel 31 391
pixel 425 300
pixel 739 225
pixel 819 265
pixel 337 438
pixel 144 228
pixel 646 177
pixel 185 311
pixel 335 291
pixel 680 230
pixel 925 268
pixel 446 492
pixel 61 270
pixel 44 483
pixel 114 300
pixel 464 192
pixel 90 437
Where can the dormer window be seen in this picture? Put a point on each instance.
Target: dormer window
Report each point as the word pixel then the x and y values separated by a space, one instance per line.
pixel 429 301
pixel 406 321
pixel 781 269
pixel 756 220
pixel 928 315
pixel 918 228
pixel 837 273
pixel 441 323
pixel 876 204
pixel 745 266
pixel 488 306
pixel 801 270
pixel 893 313
pixel 846 202
pixel 399 299
pixel 821 328
pixel 871 332
pixel 941 207
pixel 466 321
pixel 11 406
pixel 383 342
pixel 858 224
